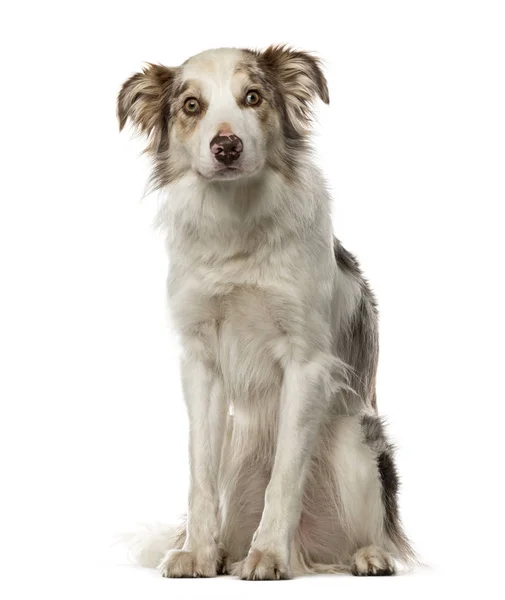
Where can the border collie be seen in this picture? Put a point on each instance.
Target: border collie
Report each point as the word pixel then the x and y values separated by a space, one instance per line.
pixel 291 471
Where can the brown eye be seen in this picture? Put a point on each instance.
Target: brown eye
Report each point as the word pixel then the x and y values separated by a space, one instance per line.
pixel 252 98
pixel 191 106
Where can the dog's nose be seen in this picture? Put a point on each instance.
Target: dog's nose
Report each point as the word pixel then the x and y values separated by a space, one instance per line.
pixel 226 147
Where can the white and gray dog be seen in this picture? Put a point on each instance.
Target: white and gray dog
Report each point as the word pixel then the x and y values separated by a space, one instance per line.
pixel 291 471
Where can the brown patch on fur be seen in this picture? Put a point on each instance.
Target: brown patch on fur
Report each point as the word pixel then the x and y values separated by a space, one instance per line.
pixel 223 127
pixel 299 79
pixel 256 80
pixel 184 123
pixel 271 114
pixel 290 81
pixel 153 101
pixel 145 100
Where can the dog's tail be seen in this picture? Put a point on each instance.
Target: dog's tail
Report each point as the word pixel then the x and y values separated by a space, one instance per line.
pixel 148 546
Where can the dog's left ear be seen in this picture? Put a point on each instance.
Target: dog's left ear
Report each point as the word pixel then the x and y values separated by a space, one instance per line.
pixel 145 100
pixel 299 78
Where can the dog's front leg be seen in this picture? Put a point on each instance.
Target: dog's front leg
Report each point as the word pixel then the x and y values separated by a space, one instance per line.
pixel 207 417
pixel 302 406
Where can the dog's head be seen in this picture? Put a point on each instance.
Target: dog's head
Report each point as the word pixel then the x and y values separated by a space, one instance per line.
pixel 225 113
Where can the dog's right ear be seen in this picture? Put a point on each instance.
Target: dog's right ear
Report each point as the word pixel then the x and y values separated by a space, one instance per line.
pixel 144 99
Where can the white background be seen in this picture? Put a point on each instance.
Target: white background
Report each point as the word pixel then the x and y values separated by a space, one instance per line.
pixel 413 145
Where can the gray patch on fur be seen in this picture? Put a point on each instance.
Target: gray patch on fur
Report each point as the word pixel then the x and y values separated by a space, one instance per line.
pixel 375 437
pixel 373 430
pixel 359 343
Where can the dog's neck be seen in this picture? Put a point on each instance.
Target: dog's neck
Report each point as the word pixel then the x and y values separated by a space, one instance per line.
pixel 242 202
pixel 223 219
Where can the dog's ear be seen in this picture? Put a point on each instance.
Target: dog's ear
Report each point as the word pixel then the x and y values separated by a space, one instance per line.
pixel 144 99
pixel 299 78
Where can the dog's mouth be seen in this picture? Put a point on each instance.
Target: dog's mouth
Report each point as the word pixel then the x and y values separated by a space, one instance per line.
pixel 228 171
pixel 233 171
pixel 225 172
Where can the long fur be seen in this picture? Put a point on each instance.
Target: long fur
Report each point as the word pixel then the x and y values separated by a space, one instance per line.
pixel 291 471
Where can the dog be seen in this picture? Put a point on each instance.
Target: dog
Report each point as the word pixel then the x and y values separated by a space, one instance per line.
pixel 291 469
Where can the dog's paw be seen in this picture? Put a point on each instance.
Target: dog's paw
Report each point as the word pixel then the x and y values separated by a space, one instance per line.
pixel 260 565
pixel 181 563
pixel 372 561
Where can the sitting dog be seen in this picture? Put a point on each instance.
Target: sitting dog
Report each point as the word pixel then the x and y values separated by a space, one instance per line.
pixel 291 471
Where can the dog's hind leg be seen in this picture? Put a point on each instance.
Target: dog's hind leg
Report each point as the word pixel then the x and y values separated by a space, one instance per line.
pixel 350 519
pixel 367 488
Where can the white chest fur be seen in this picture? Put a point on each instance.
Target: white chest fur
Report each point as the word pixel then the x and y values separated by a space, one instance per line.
pixel 250 282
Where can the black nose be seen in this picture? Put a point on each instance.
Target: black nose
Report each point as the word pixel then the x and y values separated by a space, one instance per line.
pixel 226 148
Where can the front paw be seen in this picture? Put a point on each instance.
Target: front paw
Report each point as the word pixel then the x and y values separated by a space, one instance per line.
pixel 262 564
pixel 182 563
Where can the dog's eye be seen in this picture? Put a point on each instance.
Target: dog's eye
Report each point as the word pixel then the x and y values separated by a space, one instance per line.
pixel 252 97
pixel 191 106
